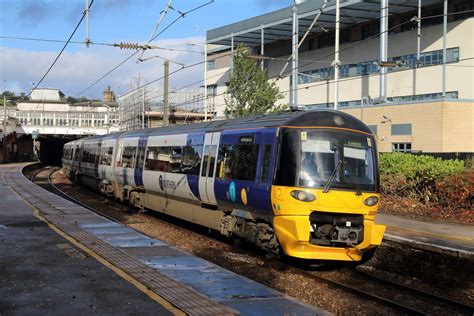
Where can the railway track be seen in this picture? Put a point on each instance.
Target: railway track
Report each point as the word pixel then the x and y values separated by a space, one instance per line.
pixel 399 297
pixel 47 184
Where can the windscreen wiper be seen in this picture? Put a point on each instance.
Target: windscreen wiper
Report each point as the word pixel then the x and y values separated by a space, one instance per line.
pixel 332 177
pixel 358 191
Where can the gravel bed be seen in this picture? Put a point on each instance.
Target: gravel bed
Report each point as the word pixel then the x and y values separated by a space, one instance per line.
pixel 272 273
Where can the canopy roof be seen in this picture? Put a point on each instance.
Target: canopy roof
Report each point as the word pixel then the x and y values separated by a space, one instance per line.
pixel 277 25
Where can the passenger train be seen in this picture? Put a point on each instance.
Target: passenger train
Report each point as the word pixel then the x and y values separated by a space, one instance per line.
pixel 305 184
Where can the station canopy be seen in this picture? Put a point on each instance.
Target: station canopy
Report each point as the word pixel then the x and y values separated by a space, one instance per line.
pixel 278 25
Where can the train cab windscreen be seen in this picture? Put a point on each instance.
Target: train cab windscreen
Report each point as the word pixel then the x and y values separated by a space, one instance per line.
pixel 329 159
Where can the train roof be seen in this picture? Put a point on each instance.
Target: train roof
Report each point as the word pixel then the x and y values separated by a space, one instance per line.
pixel 326 118
pixel 313 118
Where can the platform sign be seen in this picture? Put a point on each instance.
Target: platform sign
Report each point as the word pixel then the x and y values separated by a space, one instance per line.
pixel 34 134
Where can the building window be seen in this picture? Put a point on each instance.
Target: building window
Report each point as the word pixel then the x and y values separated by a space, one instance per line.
pixel 373 128
pixel 211 90
pixel 427 96
pixel 211 64
pixel 370 67
pixel 401 129
pixel 345 36
pixel 401 147
pixel 367 68
pixel 370 30
pixel 326 40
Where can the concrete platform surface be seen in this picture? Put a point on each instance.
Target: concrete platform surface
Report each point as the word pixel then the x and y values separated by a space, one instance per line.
pixel 449 238
pixel 41 273
pixel 194 285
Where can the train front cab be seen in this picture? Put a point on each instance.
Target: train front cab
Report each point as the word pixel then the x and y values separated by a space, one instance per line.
pixel 325 194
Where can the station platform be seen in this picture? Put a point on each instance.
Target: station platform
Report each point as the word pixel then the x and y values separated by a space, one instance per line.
pixel 57 258
pixel 442 237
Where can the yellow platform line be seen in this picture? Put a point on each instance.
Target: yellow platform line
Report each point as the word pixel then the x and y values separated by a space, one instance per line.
pixel 429 233
pixel 143 288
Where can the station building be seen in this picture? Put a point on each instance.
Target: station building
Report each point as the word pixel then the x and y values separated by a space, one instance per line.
pixel 414 102
pixel 40 124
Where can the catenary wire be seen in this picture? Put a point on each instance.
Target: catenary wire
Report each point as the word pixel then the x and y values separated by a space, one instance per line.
pixel 182 15
pixel 96 43
pixel 62 50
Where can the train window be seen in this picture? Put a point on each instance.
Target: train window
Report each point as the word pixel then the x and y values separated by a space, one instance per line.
pixel 110 152
pixel 205 161
pixel 68 153
pixel 266 163
pixel 128 157
pixel 140 157
pixel 210 171
pixel 76 153
pixel 89 154
pixel 166 159
pixel 191 161
pixel 238 162
pixel 85 153
pixel 106 156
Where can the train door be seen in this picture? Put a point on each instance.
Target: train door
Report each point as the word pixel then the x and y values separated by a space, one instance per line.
pixel 97 159
pixel 118 162
pixel 208 168
pixel 140 161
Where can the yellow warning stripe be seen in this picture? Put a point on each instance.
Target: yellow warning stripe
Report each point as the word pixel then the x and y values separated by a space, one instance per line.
pixel 160 300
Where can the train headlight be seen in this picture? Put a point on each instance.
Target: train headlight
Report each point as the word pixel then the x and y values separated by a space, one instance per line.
pixel 302 195
pixel 371 200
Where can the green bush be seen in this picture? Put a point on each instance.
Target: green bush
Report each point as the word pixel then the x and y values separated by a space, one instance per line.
pixel 415 176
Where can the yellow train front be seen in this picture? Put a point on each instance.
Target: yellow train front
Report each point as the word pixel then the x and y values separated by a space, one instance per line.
pixel 325 193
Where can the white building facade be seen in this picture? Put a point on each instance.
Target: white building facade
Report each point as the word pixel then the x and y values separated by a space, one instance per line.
pixel 48 113
pixel 269 38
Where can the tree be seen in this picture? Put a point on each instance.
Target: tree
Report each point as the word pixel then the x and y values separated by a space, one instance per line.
pixel 9 96
pixel 249 92
pixel 71 100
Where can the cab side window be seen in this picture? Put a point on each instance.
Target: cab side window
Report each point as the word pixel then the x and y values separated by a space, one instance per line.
pixel 237 162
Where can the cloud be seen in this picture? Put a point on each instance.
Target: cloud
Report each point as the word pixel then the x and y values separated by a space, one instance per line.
pixel 30 13
pixel 76 70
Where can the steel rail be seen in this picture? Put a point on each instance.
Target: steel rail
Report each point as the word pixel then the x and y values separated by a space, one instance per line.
pixel 336 284
pixel 54 189
pixel 417 291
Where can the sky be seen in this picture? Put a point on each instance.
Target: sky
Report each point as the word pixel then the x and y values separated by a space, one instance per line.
pixel 23 63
